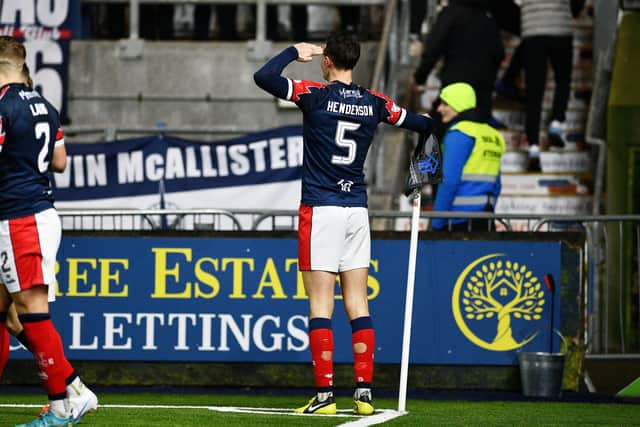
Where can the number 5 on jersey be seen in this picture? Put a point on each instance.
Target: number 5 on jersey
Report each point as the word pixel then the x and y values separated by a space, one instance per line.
pixel 343 141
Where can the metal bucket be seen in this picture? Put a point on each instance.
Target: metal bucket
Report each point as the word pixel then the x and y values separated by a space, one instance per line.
pixel 541 374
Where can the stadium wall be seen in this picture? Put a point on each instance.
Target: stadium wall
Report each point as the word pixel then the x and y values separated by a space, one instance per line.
pixel 182 84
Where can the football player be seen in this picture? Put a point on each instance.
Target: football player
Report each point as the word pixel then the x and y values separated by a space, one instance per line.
pixel 339 121
pixel 32 145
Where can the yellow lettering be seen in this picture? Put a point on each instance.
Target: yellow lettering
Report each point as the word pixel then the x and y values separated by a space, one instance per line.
pixel 207 279
pixel 300 292
pixel 236 265
pixel 162 271
pixel 106 276
pixel 58 291
pixel 372 282
pixel 76 277
pixel 271 279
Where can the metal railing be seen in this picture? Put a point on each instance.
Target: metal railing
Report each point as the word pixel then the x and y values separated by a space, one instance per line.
pixel 256 220
pixel 609 258
pixel 113 133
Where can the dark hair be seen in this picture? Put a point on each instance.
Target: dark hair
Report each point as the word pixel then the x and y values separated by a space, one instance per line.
pixel 344 50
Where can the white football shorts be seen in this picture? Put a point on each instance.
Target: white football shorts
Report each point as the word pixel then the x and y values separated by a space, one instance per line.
pixel 333 238
pixel 28 247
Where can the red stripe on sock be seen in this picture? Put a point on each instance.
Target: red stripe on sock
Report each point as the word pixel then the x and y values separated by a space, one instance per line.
pixel 26 251
pixel 305 216
pixel 47 349
pixel 4 347
pixel 363 362
pixel 321 341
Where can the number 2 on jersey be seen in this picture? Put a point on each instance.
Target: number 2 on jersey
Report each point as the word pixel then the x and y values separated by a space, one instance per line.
pixel 42 132
pixel 343 141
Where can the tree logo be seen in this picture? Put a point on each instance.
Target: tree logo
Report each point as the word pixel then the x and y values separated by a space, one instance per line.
pixel 497 290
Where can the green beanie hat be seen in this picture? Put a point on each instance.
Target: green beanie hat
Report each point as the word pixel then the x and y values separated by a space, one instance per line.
pixel 459 96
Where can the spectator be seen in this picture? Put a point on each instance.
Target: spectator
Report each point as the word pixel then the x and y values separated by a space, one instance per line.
pixel 105 20
pixel 299 23
pixel 417 15
pixel 471 161
pixel 349 18
pixel 466 36
pixel 225 18
pixel 507 14
pixel 418 10
pixel 547 34
pixel 156 21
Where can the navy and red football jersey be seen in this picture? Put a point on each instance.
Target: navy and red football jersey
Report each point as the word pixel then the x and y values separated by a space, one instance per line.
pixel 339 123
pixel 29 131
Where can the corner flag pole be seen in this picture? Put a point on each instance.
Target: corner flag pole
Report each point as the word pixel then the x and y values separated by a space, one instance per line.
pixel 408 307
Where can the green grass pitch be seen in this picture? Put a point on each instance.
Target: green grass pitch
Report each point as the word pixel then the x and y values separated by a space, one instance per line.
pixel 193 411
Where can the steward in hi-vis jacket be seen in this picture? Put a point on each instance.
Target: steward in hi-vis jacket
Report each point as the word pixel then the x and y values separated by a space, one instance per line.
pixel 471 160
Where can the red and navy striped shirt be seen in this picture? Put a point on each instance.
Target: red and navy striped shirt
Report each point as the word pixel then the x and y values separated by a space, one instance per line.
pixel 339 121
pixel 29 131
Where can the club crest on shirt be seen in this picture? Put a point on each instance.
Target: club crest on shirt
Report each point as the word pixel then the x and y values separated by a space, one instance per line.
pixel 345 185
pixel 350 93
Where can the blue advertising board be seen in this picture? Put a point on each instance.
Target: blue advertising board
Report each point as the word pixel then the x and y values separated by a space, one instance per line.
pixel 242 300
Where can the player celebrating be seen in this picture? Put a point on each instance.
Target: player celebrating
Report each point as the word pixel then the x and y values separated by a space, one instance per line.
pixel 32 144
pixel 333 230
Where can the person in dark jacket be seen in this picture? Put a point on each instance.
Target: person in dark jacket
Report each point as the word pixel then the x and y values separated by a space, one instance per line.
pixel 467 38
pixel 547 34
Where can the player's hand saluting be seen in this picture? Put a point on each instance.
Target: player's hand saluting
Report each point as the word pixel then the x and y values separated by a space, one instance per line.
pixel 306 51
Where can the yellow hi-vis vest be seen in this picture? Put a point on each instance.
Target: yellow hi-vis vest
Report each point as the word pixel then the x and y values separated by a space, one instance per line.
pixel 481 171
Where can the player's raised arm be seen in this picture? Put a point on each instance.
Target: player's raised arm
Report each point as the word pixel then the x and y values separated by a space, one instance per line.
pixel 269 77
pixel 422 123
pixel 396 115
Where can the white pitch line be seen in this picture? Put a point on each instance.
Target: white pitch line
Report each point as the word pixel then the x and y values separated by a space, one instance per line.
pixel 154 406
pixel 31 405
pixel 273 411
pixel 380 416
pixel 384 416
pixel 20 405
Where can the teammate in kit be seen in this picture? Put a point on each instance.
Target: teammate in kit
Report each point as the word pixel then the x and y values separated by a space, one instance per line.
pixel 32 145
pixel 339 120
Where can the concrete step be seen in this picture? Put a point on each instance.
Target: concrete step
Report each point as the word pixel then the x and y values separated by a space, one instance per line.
pixel 573 162
pixel 514 119
pixel 569 161
pixel 544 184
pixel 549 204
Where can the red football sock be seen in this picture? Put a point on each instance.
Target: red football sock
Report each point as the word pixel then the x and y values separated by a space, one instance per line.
pixel 48 351
pixel 321 344
pixel 4 343
pixel 363 341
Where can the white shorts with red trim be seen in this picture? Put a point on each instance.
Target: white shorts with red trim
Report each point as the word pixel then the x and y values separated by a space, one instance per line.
pixel 333 238
pixel 28 247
